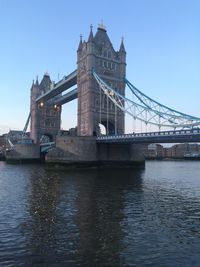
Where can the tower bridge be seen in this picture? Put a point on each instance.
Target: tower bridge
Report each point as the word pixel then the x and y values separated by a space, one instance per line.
pixel 99 84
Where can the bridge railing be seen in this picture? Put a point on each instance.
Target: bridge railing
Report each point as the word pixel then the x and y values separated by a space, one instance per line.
pixel 47 144
pixel 151 134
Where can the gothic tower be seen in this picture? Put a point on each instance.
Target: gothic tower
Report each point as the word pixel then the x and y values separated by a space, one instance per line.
pixel 94 107
pixel 45 117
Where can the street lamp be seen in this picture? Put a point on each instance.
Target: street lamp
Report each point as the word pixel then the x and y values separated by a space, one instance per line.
pixel 41 104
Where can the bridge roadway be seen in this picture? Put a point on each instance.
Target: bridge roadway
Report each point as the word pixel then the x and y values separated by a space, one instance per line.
pixel 177 136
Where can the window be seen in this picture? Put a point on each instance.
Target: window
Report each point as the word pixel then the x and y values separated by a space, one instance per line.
pixel 113 66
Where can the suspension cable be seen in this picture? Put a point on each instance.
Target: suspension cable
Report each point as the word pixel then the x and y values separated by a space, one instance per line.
pixel 160 116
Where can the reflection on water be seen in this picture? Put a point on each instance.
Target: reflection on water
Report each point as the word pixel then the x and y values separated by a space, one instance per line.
pixel 100 218
pixel 76 217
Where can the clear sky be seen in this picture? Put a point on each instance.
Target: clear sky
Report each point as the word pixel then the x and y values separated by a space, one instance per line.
pixel 161 37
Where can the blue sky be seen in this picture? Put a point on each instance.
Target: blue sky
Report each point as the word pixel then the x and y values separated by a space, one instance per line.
pixel 162 40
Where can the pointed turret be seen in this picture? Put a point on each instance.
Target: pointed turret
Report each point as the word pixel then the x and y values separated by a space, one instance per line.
pixel 101 35
pixel 122 48
pixel 101 38
pixel 35 92
pixel 37 83
pixel 80 44
pixel 45 83
pixel 33 84
pixel 90 42
pixel 122 52
pixel 35 87
pixel 91 37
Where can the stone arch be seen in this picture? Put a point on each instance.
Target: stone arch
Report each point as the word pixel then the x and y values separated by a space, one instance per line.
pixel 102 129
pixel 108 127
pixel 46 138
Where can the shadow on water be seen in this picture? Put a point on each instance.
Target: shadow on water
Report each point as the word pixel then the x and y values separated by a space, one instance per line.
pixel 76 217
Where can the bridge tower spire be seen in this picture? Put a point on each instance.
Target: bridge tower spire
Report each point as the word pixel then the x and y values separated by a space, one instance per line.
pixel 80 44
pixel 94 108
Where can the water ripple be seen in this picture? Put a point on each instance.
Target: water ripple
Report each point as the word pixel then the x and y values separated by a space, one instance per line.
pixel 100 218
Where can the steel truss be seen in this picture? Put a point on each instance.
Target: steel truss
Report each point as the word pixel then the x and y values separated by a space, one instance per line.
pixel 146 109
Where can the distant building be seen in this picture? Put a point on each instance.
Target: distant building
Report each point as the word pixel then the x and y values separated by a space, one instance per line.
pixel 167 152
pixel 14 136
pixel 2 142
pixel 178 151
pixel 154 151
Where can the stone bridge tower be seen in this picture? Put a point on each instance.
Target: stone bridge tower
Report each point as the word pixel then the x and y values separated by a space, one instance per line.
pixel 94 107
pixel 45 117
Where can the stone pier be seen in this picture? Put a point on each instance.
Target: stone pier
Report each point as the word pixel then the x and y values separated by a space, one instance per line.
pixel 79 151
pixel 23 153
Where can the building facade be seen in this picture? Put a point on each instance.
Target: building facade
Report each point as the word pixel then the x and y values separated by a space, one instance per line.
pixel 94 108
pixel 45 117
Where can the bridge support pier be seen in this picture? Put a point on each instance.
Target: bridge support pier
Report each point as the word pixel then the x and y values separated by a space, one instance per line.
pixel 79 151
pixel 121 155
pixel 23 153
pixel 72 150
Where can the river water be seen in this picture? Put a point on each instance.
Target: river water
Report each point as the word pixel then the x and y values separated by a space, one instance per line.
pixel 112 218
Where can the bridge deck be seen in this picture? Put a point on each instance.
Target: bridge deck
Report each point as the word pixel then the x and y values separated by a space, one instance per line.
pixel 181 136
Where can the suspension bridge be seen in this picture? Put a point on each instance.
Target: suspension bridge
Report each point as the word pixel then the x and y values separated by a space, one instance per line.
pixel 181 127
pixel 101 87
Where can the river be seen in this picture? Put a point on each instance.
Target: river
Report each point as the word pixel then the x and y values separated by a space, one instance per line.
pixel 150 217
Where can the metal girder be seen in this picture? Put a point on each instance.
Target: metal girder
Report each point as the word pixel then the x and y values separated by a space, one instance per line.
pixel 146 109
pixel 67 97
pixel 26 125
